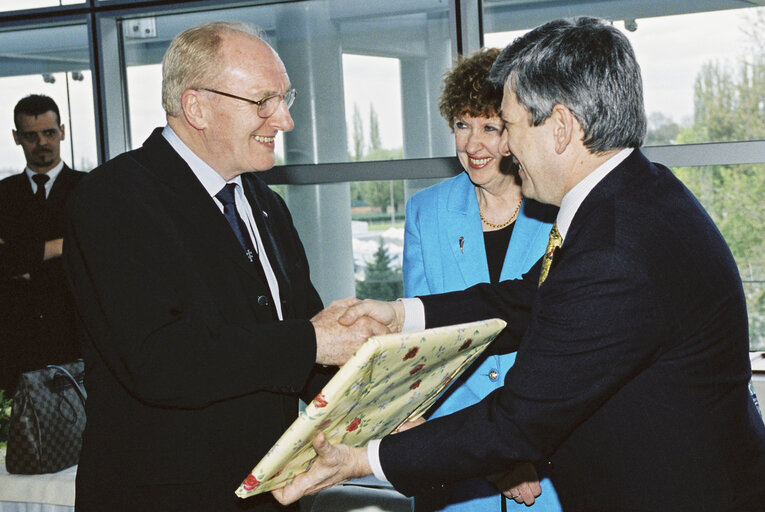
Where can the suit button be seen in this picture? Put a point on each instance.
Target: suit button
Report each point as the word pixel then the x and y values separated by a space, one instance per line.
pixel 263 300
pixel 493 374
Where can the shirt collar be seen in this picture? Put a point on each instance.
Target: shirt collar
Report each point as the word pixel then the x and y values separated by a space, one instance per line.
pixel 574 198
pixel 52 174
pixel 211 180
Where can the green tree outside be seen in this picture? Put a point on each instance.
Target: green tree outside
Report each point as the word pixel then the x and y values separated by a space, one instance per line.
pixel 381 281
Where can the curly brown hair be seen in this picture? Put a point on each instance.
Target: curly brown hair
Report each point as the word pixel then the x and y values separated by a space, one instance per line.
pixel 467 90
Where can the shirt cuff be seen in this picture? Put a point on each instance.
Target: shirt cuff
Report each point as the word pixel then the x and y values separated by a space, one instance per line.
pixel 414 315
pixel 373 457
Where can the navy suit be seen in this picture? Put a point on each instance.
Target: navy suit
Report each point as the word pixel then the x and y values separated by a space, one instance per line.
pixel 190 379
pixel 37 319
pixel 444 251
pixel 632 373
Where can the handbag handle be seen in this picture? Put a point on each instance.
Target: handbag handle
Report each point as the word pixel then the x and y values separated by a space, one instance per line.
pixel 63 371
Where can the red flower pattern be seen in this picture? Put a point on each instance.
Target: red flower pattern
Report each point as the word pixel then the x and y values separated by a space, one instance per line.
pixel 353 425
pixel 416 369
pixel 465 345
pixel 412 352
pixel 324 424
pixel 415 385
pixel 250 483
pixel 320 401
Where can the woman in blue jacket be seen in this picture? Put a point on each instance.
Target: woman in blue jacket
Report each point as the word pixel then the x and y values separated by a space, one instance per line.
pixel 474 228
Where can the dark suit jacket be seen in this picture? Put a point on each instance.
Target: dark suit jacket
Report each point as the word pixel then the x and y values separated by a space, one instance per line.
pixel 37 320
pixel 631 375
pixel 190 380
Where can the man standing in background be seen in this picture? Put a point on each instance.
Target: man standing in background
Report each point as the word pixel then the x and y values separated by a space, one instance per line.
pixel 37 320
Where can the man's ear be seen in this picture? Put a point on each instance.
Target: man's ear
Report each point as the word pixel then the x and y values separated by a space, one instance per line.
pixel 16 137
pixel 63 131
pixel 193 108
pixel 564 126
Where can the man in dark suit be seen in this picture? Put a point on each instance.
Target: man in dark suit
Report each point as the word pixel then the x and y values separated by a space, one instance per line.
pixel 630 385
pixel 37 320
pixel 194 291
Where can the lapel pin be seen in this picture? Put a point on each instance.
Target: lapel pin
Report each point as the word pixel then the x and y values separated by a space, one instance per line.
pixel 264 213
pixel 462 244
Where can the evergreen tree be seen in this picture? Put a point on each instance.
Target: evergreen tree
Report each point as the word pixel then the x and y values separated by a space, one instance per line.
pixel 381 280
pixel 374 130
pixel 358 134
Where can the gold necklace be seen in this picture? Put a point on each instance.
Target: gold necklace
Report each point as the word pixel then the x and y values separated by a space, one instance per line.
pixel 506 223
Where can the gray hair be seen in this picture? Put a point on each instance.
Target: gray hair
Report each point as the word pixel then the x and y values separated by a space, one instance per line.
pixel 192 60
pixel 588 66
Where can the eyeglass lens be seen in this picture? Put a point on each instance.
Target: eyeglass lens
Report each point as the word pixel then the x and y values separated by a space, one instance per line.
pixel 269 105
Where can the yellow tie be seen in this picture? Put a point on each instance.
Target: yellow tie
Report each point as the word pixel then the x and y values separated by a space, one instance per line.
pixel 554 242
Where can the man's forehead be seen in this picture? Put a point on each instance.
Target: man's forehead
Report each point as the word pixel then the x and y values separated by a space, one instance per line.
pixel 46 119
pixel 255 63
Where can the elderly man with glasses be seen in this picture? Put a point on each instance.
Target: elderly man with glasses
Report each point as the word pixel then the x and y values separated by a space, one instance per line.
pixel 202 327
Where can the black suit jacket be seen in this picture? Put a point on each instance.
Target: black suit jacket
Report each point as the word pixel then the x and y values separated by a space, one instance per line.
pixel 630 383
pixel 37 320
pixel 190 380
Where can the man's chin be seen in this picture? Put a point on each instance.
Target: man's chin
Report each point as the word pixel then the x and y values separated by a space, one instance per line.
pixel 44 163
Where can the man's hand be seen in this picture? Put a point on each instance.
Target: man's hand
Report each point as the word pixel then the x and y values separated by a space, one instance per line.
pixel 335 343
pixel 390 314
pixel 409 424
pixel 53 248
pixel 520 484
pixel 335 464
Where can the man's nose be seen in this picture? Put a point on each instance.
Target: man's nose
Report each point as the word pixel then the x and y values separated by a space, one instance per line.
pixel 282 118
pixel 504 143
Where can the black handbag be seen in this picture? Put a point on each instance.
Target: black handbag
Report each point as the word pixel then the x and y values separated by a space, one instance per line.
pixel 47 420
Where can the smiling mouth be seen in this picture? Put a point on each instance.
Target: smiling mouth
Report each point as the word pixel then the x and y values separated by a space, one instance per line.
pixel 263 139
pixel 478 163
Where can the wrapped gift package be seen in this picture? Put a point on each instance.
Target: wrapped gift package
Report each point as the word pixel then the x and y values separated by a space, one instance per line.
pixel 391 379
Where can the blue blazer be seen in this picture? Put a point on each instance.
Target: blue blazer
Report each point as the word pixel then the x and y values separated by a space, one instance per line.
pixel 444 251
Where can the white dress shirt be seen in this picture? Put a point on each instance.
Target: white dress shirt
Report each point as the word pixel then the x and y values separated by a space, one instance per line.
pixel 52 175
pixel 213 183
pixel 414 311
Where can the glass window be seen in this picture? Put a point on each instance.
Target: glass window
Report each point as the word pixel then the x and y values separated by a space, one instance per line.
pixel 15 5
pixel 377 213
pixel 367 76
pixel 383 59
pixel 702 72
pixel 35 61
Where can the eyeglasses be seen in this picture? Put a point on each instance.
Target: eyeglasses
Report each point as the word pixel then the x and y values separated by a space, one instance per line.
pixel 266 106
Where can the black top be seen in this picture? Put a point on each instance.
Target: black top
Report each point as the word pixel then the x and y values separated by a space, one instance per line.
pixel 496 243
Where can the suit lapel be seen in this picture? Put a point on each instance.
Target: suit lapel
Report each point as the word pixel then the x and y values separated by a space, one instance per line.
pixel 190 201
pixel 613 181
pixel 23 187
pixel 522 251
pixel 266 229
pixel 59 193
pixel 460 219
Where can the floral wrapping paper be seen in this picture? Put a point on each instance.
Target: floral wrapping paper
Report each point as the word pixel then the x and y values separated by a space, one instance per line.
pixel 390 379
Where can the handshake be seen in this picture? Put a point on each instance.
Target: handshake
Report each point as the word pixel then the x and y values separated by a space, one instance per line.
pixel 345 324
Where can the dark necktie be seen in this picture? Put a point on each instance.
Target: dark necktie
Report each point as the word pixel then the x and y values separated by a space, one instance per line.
pixel 40 180
pixel 226 196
